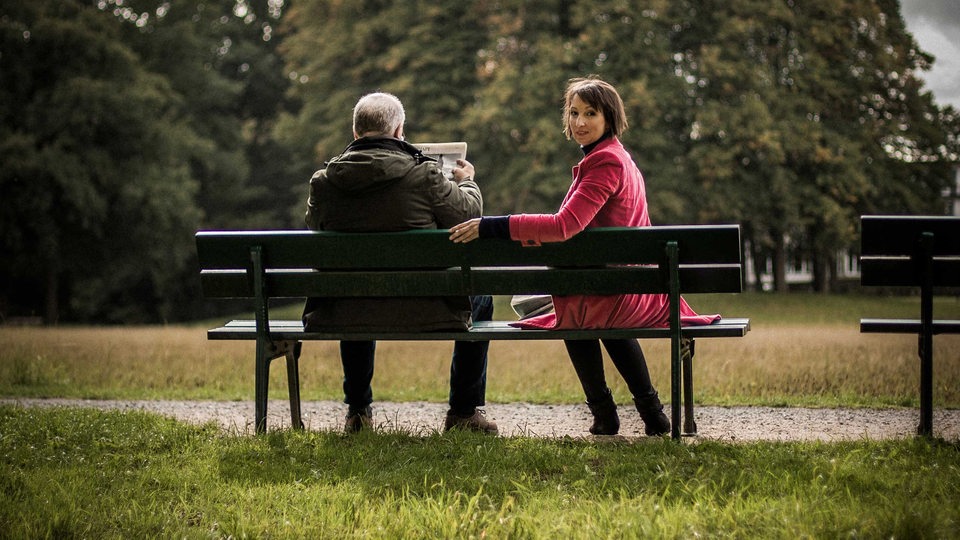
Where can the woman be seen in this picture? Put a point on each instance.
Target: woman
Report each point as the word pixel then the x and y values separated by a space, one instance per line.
pixel 607 191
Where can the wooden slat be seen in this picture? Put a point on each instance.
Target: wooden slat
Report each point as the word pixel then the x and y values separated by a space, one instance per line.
pixel 456 282
pixel 903 272
pixel 907 326
pixel 433 249
pixel 897 235
pixel 292 330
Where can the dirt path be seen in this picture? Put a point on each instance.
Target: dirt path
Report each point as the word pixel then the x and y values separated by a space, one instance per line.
pixel 523 419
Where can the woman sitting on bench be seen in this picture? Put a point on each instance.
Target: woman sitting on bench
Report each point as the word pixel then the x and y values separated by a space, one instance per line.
pixel 607 191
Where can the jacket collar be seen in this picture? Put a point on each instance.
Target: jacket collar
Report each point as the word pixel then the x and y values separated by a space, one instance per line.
pixel 385 143
pixel 590 147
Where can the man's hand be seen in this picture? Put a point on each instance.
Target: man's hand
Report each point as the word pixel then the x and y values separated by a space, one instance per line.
pixel 466 231
pixel 463 171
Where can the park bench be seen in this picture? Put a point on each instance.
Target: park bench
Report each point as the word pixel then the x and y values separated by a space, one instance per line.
pixel 265 265
pixel 913 251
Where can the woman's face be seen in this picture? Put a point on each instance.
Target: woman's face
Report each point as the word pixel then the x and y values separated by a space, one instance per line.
pixel 586 123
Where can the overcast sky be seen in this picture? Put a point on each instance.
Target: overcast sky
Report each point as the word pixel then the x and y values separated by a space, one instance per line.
pixel 935 24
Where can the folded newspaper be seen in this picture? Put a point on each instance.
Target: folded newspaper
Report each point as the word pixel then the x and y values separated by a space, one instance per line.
pixel 531 305
pixel 446 154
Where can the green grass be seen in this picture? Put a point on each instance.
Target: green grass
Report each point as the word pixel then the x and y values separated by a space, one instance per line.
pixel 76 473
pixel 81 473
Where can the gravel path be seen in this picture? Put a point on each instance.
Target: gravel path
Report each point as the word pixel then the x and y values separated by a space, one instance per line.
pixel 523 419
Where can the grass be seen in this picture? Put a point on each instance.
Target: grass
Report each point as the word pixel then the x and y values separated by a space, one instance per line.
pixel 73 473
pixel 83 473
pixel 802 350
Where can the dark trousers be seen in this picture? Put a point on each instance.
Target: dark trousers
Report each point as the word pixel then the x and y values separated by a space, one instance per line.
pixel 628 358
pixel 468 367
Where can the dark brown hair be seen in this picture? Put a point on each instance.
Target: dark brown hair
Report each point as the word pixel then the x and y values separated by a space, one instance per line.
pixel 600 95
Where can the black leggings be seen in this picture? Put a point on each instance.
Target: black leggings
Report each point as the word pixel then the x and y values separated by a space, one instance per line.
pixel 628 358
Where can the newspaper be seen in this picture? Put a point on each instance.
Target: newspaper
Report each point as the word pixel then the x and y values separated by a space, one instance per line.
pixel 446 154
pixel 531 305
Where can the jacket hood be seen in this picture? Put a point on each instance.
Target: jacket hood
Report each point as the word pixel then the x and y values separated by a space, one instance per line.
pixel 372 163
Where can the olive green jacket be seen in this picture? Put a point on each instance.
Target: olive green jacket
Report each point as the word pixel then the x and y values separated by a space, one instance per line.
pixel 382 184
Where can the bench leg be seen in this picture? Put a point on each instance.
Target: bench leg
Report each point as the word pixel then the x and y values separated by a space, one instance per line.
pixel 676 376
pixel 266 352
pixel 925 253
pixel 686 356
pixel 925 428
pixel 293 383
pixel 261 386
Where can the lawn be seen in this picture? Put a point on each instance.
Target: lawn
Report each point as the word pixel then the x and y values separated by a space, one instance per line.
pixel 82 473
pixel 69 473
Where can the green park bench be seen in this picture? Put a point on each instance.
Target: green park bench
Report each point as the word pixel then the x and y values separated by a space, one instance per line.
pixel 913 251
pixel 265 265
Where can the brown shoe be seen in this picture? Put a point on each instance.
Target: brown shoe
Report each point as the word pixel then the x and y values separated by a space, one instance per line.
pixel 357 420
pixel 476 422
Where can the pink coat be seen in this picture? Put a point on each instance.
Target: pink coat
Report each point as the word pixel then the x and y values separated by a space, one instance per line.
pixel 607 191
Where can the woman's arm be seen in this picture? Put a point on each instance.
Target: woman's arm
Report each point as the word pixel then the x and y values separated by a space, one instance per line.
pixel 595 187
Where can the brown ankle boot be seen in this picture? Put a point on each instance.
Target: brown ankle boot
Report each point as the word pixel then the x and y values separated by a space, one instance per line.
pixel 358 420
pixel 651 411
pixel 475 422
pixel 605 419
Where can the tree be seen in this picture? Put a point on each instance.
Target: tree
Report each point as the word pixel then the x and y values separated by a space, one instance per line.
pixel 515 121
pixel 127 125
pixel 798 108
pixel 220 58
pixel 421 51
pixel 96 206
pixel 630 45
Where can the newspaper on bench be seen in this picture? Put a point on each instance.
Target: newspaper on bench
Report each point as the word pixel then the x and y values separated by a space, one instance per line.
pixel 446 154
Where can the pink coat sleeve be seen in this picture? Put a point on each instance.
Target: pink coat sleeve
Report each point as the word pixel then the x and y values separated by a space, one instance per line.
pixel 586 197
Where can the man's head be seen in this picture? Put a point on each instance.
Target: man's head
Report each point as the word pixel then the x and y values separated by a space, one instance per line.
pixel 378 114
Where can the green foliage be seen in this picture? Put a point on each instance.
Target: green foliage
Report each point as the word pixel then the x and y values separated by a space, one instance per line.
pixel 807 114
pixel 83 473
pixel 96 200
pixel 128 125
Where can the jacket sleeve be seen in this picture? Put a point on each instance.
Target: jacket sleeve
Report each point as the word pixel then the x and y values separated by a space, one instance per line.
pixel 454 203
pixel 313 210
pixel 586 197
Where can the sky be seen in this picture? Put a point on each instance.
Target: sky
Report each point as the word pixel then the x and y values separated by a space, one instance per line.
pixel 935 25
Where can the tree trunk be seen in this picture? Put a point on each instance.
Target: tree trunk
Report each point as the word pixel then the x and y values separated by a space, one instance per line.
pixel 824 276
pixel 780 264
pixel 51 304
pixel 759 261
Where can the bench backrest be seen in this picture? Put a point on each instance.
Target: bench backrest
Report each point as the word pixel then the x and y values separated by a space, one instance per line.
pixel 896 249
pixel 301 263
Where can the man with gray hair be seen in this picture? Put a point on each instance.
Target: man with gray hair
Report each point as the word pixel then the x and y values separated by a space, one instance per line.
pixel 380 183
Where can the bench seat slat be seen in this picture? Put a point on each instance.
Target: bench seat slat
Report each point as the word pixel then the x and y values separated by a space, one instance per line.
pixel 292 330
pixel 907 326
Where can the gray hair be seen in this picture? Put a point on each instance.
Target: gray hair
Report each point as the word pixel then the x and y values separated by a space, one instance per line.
pixel 378 113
